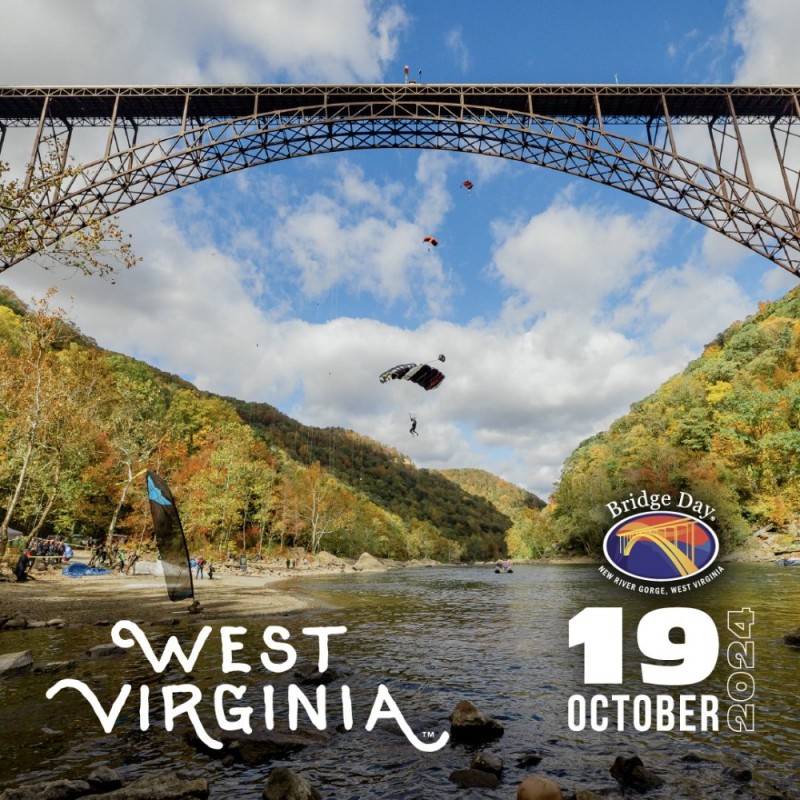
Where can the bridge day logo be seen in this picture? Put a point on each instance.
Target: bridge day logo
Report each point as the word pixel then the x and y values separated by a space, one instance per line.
pixel 663 551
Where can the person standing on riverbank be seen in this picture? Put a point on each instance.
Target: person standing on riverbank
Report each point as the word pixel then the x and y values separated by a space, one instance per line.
pixel 23 564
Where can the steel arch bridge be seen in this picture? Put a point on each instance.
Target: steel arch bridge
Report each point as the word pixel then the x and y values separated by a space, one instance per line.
pixel 727 157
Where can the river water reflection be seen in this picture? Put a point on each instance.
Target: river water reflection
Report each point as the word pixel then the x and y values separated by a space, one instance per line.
pixel 435 636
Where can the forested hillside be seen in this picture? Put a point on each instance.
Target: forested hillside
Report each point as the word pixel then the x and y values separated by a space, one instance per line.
pixel 507 497
pixel 727 429
pixel 79 426
pixel 387 478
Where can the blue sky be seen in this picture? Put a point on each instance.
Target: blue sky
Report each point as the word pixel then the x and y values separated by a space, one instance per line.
pixel 558 302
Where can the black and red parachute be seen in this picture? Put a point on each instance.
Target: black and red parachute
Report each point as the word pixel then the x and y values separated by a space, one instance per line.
pixel 424 375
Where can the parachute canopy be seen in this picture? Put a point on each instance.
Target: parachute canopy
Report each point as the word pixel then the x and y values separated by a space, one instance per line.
pixel 170 539
pixel 467 185
pixel 432 241
pixel 423 374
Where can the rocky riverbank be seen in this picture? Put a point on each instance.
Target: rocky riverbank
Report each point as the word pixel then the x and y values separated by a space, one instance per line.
pixel 482 770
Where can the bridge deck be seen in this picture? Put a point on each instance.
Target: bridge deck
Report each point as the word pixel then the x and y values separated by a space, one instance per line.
pixel 159 105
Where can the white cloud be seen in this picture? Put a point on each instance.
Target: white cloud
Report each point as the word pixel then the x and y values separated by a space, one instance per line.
pixel 721 252
pixel 766 30
pixel 454 41
pixel 196 41
pixel 573 257
pixel 776 282
pixel 361 235
pixel 679 309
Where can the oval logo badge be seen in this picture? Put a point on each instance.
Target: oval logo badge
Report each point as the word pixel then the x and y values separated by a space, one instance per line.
pixel 663 546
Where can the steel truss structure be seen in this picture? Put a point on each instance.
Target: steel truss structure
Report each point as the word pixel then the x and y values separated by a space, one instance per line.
pixel 687 148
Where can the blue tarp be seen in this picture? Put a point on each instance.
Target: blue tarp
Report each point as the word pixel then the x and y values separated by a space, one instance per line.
pixel 78 570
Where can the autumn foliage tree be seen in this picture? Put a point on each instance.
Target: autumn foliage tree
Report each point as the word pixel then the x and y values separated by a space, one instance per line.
pixel 28 227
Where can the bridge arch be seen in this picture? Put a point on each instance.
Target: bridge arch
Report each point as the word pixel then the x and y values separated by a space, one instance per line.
pixel 517 126
pixel 682 563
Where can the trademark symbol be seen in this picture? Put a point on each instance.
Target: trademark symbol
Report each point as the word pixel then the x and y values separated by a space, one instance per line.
pixel 428 734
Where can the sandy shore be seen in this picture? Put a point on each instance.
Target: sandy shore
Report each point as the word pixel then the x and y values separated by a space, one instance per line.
pixel 264 589
pixel 142 598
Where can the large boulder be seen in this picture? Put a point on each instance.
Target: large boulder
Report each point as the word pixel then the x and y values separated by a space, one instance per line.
pixel 535 787
pixel 260 747
pixel 15 663
pixel 792 638
pixel 423 562
pixel 283 784
pixel 368 563
pixel 467 723
pixel 104 779
pixel 631 773
pixel 326 559
pixel 160 787
pixel 474 779
pixel 487 763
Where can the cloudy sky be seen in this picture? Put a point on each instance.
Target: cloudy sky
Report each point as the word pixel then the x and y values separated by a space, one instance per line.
pixel 558 302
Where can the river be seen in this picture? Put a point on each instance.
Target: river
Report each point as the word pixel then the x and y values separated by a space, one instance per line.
pixel 434 636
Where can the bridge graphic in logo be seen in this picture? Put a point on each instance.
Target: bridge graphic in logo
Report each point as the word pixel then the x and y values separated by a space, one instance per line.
pixel 665 546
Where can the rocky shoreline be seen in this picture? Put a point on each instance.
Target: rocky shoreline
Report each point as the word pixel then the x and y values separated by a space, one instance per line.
pixel 469 726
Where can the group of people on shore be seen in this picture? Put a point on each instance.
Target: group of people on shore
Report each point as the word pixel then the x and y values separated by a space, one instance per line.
pixel 114 558
pixel 200 566
pixel 46 551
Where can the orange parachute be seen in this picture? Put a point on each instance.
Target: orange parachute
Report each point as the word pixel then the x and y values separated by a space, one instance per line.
pixel 467 185
pixel 432 241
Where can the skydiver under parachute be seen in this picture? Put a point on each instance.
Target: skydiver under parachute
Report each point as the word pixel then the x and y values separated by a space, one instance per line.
pixel 423 375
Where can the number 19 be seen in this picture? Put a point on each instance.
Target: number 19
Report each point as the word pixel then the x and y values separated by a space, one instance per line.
pixel 599 629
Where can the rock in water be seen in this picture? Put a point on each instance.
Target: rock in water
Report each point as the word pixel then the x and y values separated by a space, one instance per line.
pixel 474 779
pixel 534 787
pixel 283 784
pixel 15 663
pixel 631 773
pixel 469 723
